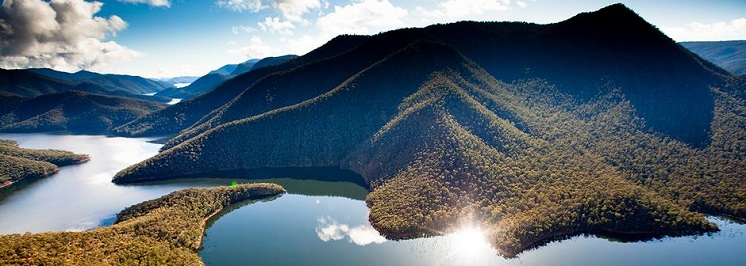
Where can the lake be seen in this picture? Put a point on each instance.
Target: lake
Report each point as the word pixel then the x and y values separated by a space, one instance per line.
pixel 316 223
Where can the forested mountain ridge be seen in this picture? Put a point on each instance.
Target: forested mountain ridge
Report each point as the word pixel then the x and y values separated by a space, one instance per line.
pixel 449 127
pixel 111 82
pixel 74 111
pixel 176 118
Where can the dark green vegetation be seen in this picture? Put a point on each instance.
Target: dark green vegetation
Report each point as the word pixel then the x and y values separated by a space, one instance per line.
pixel 215 77
pixel 730 55
pixel 606 125
pixel 17 163
pixel 74 111
pixel 29 83
pixel 110 82
pixel 164 231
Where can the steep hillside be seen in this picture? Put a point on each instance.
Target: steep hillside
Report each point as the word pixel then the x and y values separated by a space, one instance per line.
pixel 730 55
pixel 176 118
pixel 74 111
pixel 214 78
pixel 17 163
pixel 594 132
pixel 668 86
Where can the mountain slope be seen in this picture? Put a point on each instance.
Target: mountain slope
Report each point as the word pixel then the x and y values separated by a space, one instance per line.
pixel 111 82
pixel 609 47
pixel 730 55
pixel 75 111
pixel 176 118
pixel 423 116
pixel 23 83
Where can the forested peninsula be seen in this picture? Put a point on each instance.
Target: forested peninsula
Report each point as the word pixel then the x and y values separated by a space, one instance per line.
pixel 163 231
pixel 17 163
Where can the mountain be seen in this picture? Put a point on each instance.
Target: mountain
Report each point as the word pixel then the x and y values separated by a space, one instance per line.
pixel 185 113
pixel 214 78
pixel 111 82
pixel 75 111
pixel 596 124
pixel 18 85
pixel 23 83
pixel 19 163
pixel 730 55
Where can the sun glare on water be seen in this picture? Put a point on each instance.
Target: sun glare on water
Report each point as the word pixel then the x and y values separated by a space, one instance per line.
pixel 470 242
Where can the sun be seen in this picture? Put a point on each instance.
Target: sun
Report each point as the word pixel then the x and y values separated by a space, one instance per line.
pixel 469 241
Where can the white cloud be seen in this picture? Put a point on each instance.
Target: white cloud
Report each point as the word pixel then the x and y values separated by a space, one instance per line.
pixel 242 29
pixel 61 34
pixel 718 31
pixel 255 49
pixel 293 10
pixel 463 9
pixel 158 3
pixel 363 17
pixel 329 229
pixel 241 5
pixel 274 25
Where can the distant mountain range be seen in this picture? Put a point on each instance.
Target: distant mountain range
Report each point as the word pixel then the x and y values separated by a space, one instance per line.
pixel 211 80
pixel 72 111
pixel 599 123
pixel 730 55
pixel 27 83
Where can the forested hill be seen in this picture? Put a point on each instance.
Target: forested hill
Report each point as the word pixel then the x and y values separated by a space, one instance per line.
pixel 74 111
pixel 110 82
pixel 527 131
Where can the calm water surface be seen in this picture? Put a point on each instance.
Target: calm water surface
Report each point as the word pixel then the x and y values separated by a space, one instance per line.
pixel 81 197
pixel 328 230
pixel 316 223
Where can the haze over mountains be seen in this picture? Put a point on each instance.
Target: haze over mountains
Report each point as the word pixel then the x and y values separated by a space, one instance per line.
pixel 599 123
pixel 730 55
pixel 211 80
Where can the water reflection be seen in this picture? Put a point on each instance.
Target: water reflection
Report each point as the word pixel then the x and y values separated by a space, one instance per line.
pixel 329 229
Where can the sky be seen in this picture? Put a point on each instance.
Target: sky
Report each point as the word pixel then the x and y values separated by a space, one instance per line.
pixel 169 38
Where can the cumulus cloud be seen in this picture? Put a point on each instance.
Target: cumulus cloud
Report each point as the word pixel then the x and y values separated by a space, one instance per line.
pixel 158 3
pixel 329 229
pixel 462 9
pixel 241 5
pixel 363 17
pixel 274 25
pixel 61 34
pixel 255 49
pixel 293 10
pixel 718 31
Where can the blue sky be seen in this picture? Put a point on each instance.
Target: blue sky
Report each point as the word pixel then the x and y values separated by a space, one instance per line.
pixel 164 38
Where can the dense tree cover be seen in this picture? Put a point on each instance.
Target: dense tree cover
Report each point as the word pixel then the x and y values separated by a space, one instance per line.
pixel 164 231
pixel 17 163
pixel 110 82
pixel 184 114
pixel 730 55
pixel 74 111
pixel 443 142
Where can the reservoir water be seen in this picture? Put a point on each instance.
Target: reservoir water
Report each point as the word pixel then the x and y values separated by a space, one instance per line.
pixel 316 223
